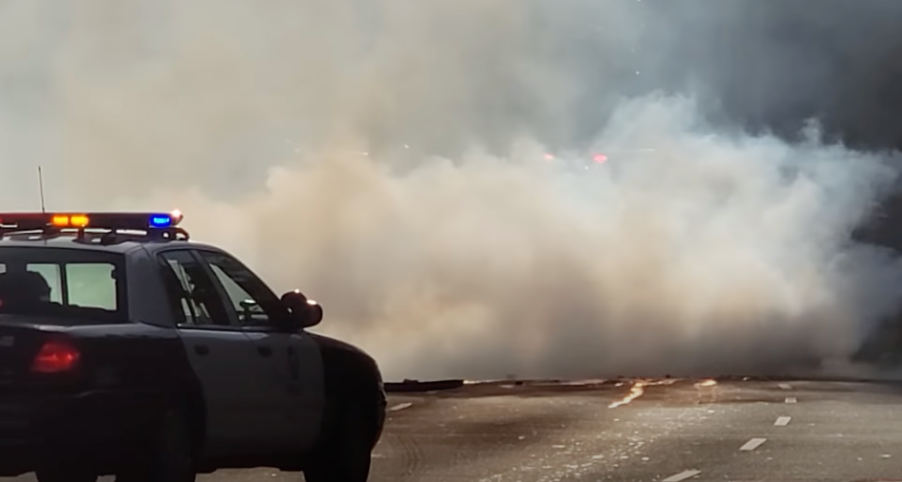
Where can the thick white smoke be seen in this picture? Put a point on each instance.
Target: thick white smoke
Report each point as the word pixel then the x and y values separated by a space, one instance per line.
pixel 453 248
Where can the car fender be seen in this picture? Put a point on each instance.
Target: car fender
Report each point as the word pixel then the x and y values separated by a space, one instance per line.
pixel 351 376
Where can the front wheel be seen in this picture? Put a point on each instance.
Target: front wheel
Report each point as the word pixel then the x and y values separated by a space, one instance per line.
pixel 344 454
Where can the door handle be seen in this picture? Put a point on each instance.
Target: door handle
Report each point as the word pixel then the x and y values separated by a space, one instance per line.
pixel 264 351
pixel 201 350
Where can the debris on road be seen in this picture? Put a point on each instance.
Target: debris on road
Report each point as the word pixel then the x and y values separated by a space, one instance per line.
pixel 418 386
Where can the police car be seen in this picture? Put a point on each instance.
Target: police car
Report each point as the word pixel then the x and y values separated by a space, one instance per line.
pixel 127 350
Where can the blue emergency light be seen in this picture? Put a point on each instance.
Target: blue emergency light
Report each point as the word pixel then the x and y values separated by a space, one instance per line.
pixel 162 221
pixel 98 220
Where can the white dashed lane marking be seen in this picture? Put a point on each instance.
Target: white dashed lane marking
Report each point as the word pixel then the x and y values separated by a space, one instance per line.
pixel 752 444
pixel 682 476
pixel 400 406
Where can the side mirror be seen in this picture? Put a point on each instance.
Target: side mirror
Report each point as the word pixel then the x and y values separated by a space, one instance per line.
pixel 305 313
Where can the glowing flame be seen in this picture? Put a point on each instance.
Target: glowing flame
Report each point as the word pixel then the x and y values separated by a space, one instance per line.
pixel 669 381
pixel 635 392
pixel 638 389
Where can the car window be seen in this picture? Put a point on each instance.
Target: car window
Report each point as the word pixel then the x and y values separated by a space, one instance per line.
pixel 192 295
pixel 51 274
pixel 254 304
pixel 89 285
pixel 64 283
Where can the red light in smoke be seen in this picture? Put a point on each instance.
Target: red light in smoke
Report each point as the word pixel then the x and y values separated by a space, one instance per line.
pixel 600 158
pixel 549 157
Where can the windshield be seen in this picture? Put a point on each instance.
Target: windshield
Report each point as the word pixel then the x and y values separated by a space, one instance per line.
pixel 63 283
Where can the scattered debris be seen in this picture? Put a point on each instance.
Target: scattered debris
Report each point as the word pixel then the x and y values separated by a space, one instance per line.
pixel 418 386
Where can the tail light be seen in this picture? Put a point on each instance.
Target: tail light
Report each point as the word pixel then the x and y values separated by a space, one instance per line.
pixel 55 356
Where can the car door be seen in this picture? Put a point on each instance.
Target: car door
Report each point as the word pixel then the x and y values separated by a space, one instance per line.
pixel 294 374
pixel 219 352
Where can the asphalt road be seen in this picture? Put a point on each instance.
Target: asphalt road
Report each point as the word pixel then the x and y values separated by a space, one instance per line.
pixel 666 431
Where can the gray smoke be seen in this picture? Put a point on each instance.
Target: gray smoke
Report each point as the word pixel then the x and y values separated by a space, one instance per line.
pixel 452 248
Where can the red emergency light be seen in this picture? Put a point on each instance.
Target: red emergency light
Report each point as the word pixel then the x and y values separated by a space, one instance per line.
pixel 81 220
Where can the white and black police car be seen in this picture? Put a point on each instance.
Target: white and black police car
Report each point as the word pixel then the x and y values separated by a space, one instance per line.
pixel 127 350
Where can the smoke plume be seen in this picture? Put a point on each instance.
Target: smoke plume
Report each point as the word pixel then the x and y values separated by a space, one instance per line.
pixel 387 157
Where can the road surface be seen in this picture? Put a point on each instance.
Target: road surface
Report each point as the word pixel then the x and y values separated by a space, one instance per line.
pixel 656 430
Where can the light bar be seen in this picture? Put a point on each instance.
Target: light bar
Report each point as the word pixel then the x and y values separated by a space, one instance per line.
pixel 124 221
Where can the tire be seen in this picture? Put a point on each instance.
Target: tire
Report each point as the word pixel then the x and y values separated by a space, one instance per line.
pixel 344 454
pixel 65 474
pixel 168 457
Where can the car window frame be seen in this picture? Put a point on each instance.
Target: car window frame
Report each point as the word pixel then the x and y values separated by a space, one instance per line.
pixel 64 256
pixel 219 295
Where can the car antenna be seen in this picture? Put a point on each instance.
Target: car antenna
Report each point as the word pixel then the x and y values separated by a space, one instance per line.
pixel 41 186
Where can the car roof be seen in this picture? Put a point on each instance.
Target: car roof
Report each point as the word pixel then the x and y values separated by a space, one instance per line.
pixel 91 243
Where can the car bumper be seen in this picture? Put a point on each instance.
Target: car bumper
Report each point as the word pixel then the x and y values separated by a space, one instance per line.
pixel 87 427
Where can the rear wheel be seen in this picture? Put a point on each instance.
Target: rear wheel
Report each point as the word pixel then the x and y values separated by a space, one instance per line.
pixel 344 455
pixel 168 456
